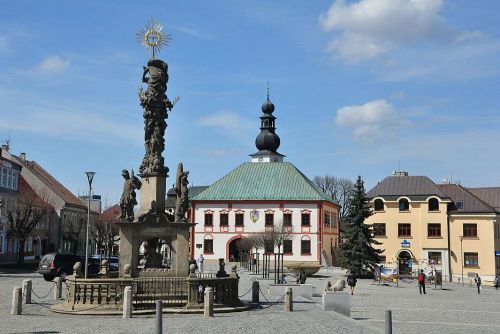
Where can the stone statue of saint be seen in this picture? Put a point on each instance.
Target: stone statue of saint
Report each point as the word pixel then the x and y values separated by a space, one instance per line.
pixel 128 201
pixel 182 191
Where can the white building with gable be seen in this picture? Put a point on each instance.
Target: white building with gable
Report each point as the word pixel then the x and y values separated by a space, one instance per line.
pixel 261 193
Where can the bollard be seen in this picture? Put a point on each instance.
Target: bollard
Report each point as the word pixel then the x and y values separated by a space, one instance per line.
pixel 127 302
pixel 208 310
pixel 17 301
pixel 289 300
pixel 159 325
pixel 57 288
pixel 255 292
pixel 388 322
pixel 27 287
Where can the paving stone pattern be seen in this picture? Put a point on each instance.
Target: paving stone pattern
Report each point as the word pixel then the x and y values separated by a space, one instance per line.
pixel 456 309
pixel 37 318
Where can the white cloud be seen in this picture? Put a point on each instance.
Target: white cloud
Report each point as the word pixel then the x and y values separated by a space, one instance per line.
pixel 371 121
pixel 72 124
pixel 410 38
pixel 369 28
pixel 53 64
pixel 230 124
pixel 224 120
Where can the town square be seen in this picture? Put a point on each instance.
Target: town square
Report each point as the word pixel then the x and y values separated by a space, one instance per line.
pixel 170 167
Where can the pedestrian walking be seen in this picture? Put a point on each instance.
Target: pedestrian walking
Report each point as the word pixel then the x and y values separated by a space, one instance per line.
pixel 200 261
pixel 421 281
pixel 477 279
pixel 496 282
pixel 351 281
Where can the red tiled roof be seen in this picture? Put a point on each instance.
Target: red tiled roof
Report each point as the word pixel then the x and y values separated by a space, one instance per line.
pixel 44 176
pixel 109 215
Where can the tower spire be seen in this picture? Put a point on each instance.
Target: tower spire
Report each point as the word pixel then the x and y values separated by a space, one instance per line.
pixel 267 142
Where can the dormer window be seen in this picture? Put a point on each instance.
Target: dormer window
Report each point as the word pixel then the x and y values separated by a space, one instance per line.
pixel 404 205
pixel 378 205
pixel 433 204
pixel 459 205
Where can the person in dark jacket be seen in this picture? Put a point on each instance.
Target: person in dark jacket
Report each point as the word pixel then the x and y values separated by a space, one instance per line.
pixel 351 281
pixel 477 279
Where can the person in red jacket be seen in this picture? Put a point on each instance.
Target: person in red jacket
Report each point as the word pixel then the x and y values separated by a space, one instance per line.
pixel 421 281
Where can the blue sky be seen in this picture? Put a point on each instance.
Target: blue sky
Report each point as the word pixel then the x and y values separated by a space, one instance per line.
pixel 360 87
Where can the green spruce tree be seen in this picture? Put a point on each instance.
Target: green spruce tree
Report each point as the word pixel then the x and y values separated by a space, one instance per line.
pixel 357 254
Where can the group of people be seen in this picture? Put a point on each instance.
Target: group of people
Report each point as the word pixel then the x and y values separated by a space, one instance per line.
pixel 198 263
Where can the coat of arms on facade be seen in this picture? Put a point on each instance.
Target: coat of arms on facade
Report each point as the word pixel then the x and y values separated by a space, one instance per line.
pixel 254 215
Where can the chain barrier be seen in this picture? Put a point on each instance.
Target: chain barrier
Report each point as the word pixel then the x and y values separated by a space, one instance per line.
pixel 270 302
pixel 69 311
pixel 37 296
pixel 246 293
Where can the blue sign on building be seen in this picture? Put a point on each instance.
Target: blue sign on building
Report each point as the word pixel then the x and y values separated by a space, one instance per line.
pixel 405 244
pixel 497 253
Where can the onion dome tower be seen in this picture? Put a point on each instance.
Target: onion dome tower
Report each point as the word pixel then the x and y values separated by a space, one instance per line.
pixel 267 142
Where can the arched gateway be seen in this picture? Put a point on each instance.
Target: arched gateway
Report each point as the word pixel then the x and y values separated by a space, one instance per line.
pixel 405 262
pixel 237 248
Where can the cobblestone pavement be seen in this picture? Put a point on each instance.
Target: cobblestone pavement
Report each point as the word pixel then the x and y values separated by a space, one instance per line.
pixel 36 318
pixel 455 309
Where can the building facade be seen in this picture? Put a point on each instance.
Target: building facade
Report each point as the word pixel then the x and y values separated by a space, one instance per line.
pixel 66 226
pixel 423 225
pixel 9 189
pixel 260 194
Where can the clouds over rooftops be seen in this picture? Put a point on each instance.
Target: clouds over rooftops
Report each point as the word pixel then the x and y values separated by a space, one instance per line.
pixel 372 121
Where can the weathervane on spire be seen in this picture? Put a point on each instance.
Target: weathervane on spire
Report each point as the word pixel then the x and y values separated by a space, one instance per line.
pixel 153 37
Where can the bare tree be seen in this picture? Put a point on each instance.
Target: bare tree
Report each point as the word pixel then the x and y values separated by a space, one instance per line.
pixel 277 234
pixel 104 230
pixel 24 212
pixel 338 188
pixel 72 230
pixel 256 241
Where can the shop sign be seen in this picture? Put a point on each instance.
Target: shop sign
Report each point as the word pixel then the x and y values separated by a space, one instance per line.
pixel 497 253
pixel 405 244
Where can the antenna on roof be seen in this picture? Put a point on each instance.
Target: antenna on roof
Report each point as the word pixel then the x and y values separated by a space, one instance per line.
pixel 7 141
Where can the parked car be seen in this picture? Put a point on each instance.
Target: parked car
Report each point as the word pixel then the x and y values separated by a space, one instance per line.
pixel 57 264
pixel 95 264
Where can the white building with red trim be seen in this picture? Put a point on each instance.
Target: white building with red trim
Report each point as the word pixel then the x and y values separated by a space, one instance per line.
pixel 259 194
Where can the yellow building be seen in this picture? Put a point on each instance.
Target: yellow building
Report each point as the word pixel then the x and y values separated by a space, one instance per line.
pixel 423 225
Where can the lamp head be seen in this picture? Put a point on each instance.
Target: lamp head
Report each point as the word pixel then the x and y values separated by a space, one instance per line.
pixel 90 177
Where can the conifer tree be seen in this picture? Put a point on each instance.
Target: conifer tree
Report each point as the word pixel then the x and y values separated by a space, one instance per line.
pixel 357 254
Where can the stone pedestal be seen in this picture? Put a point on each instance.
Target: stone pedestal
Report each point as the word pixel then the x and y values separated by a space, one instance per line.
pixel 176 235
pixel 153 193
pixel 339 302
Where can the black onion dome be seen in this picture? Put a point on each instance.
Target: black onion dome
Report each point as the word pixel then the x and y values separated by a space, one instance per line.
pixel 267 107
pixel 267 141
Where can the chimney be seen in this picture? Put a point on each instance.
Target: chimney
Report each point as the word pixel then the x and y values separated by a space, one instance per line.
pixel 5 147
pixel 399 173
pixel 23 156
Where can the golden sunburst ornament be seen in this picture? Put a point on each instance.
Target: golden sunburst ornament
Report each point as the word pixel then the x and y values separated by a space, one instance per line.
pixel 153 37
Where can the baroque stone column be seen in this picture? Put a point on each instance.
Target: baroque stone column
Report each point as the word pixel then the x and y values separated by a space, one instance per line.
pixel 156 105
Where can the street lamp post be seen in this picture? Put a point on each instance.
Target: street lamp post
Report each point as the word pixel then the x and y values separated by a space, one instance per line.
pixel 462 257
pixel 90 177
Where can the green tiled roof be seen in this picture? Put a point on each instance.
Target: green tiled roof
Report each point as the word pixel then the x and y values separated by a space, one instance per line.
pixel 264 181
